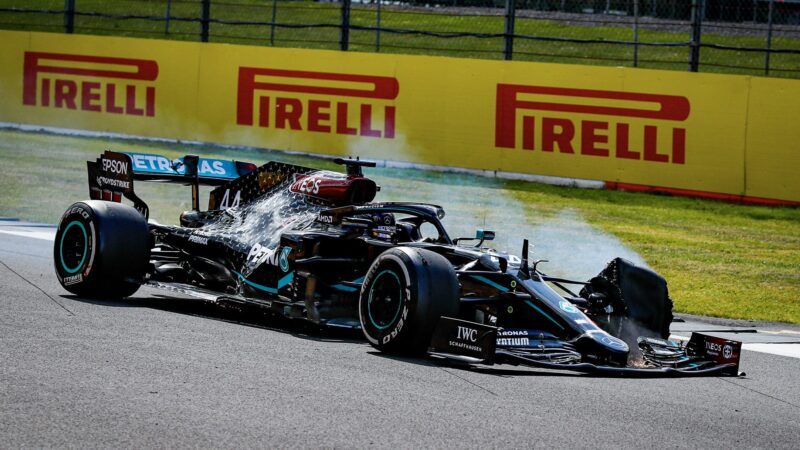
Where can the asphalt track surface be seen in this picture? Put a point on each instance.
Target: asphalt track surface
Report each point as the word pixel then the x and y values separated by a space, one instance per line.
pixel 163 372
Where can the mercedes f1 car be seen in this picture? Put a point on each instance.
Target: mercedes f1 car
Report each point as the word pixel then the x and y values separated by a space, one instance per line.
pixel 311 244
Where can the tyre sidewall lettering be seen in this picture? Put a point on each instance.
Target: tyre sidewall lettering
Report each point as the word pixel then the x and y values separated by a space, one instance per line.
pixel 84 217
pixel 392 332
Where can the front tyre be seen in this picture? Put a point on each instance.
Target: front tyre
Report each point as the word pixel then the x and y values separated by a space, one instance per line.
pixel 404 293
pixel 102 249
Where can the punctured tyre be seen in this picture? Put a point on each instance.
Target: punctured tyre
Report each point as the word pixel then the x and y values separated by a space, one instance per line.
pixel 101 249
pixel 405 292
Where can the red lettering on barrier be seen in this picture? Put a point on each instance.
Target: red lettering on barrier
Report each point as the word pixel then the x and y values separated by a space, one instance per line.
pixel 107 71
pixel 372 91
pixel 65 93
pixel 594 134
pixel 590 138
pixel 341 120
pixel 288 110
pixel 111 95
pixel 316 116
pixel 89 96
pixel 566 131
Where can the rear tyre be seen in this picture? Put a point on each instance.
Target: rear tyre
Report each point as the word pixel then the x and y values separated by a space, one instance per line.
pixel 404 293
pixel 102 249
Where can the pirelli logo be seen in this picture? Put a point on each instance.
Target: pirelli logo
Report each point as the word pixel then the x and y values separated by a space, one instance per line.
pixel 608 118
pixel 323 102
pixel 90 83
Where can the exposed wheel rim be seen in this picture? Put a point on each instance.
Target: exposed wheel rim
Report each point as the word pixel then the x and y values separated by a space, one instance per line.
pixel 385 300
pixel 73 247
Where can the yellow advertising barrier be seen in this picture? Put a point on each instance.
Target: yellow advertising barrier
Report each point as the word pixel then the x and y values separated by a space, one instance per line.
pixel 703 134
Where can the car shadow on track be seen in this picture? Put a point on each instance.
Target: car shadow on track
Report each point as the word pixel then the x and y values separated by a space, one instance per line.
pixel 258 318
pixel 500 371
pixel 247 316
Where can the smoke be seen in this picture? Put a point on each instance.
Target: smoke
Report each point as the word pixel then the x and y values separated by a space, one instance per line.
pixel 629 330
pixel 574 248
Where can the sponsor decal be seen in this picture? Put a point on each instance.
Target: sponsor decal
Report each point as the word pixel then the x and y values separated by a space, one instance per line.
pixel 321 102
pixel 513 342
pixel 198 239
pixel 713 347
pixel 613 342
pixel 146 163
pixel 727 351
pixel 90 83
pixel 306 185
pixel 567 307
pixel 512 333
pixel 261 254
pixel 465 338
pixel 74 279
pixel 115 166
pixel 112 183
pixel 597 119
pixel 324 218
pixel 467 334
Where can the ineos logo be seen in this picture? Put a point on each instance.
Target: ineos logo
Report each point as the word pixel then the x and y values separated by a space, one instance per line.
pixel 310 185
pixel 467 334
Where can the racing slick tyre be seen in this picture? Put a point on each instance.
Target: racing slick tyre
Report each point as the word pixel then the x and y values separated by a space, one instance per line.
pixel 404 293
pixel 102 249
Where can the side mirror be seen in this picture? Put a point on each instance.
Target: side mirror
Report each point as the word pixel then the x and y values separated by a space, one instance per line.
pixel 484 235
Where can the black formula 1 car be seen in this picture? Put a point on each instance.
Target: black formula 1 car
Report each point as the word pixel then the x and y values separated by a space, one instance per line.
pixel 310 244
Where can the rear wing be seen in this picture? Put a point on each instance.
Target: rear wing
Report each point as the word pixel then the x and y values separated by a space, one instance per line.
pixel 111 176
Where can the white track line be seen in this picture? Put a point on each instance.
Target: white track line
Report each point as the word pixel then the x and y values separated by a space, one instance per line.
pixel 782 349
pixel 48 235
pixel 790 350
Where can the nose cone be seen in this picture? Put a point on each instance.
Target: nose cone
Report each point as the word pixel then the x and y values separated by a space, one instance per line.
pixel 599 347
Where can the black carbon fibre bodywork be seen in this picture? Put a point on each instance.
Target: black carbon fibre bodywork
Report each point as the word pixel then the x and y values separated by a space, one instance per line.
pixel 298 242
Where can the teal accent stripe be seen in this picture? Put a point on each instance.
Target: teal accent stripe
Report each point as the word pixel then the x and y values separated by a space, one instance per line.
pixel 543 313
pixel 346 288
pixel 281 283
pixel 342 287
pixel 490 282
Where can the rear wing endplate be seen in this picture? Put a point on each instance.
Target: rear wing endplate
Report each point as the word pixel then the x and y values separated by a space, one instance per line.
pixel 111 176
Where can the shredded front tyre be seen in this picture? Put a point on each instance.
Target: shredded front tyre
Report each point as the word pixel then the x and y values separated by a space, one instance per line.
pixel 101 249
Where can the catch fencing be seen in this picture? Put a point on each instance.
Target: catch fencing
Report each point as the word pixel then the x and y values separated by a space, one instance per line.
pixel 753 37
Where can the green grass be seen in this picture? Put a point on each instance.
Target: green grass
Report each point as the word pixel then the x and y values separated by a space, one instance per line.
pixel 310 12
pixel 720 259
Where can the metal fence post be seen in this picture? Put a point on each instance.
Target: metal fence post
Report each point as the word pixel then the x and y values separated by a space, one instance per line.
pixel 769 36
pixel 206 15
pixel 635 33
pixel 378 28
pixel 69 16
pixel 694 43
pixel 344 37
pixel 167 16
pixel 272 22
pixel 508 34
